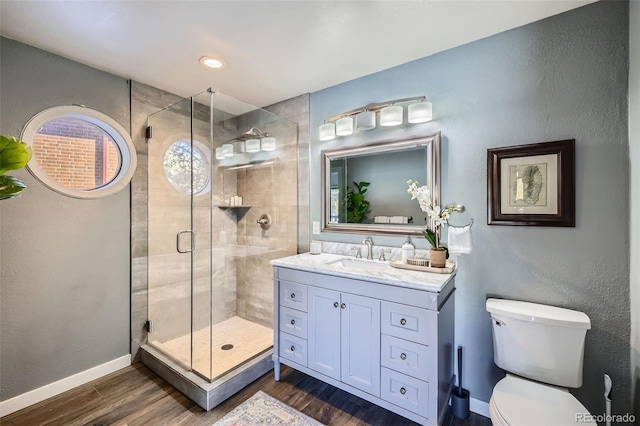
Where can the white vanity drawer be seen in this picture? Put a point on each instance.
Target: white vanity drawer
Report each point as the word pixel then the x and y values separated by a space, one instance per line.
pixel 293 322
pixel 408 357
pixel 404 391
pixel 293 348
pixel 408 322
pixel 293 295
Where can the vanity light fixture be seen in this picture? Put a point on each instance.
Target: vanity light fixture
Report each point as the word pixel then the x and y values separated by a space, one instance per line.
pixel 227 150
pixel 268 143
pixel 344 126
pixel 219 153
pixel 391 114
pixel 420 112
pixel 366 120
pixel 327 132
pixel 238 147
pixel 252 145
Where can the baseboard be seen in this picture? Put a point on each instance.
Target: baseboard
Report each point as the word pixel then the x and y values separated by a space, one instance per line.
pixel 52 389
pixel 479 407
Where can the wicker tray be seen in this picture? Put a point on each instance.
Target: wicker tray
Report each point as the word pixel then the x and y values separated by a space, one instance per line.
pixel 449 267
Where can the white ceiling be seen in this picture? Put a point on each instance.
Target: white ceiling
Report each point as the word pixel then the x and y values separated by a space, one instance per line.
pixel 274 50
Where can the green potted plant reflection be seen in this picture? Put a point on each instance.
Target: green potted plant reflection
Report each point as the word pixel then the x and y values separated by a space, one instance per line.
pixel 357 206
pixel 14 155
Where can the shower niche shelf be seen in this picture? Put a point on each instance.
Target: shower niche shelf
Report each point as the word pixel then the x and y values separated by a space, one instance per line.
pixel 234 207
pixel 236 213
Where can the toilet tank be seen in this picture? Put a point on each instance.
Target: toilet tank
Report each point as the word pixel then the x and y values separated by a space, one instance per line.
pixel 539 342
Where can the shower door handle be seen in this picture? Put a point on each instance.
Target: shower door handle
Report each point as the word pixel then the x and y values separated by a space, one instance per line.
pixel 179 239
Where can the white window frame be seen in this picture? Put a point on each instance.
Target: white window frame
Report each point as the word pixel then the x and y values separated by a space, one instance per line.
pixel 118 133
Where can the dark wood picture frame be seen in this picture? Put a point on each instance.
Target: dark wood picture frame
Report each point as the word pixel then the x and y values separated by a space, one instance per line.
pixel 548 170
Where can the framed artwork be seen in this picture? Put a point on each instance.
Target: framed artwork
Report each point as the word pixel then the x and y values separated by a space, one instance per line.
pixel 532 185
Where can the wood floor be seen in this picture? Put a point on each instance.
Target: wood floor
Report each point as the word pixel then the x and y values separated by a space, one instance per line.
pixel 209 359
pixel 137 396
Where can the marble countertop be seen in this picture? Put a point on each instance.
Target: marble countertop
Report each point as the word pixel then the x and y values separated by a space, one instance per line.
pixel 380 272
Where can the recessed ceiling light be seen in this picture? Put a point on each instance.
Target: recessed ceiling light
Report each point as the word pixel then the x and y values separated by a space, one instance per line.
pixel 211 62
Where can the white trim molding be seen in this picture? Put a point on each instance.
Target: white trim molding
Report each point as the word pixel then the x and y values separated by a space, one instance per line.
pixel 479 407
pixel 52 389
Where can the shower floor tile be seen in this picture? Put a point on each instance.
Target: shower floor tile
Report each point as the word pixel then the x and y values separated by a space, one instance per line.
pixel 247 338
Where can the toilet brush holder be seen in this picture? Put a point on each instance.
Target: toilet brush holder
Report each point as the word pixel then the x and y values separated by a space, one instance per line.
pixel 460 403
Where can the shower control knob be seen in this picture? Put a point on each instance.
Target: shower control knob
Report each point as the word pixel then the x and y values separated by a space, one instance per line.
pixel 293 348
pixel 403 391
pixel 293 322
pixel 403 321
pixel 264 221
pixel 403 356
pixel 335 304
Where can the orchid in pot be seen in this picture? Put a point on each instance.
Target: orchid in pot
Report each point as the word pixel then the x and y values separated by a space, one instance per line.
pixel 438 216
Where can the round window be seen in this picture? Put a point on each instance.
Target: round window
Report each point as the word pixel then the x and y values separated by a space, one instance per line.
pixel 79 152
pixel 180 159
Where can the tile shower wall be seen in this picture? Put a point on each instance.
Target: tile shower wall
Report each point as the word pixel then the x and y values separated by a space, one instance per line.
pixel 269 189
pixel 241 251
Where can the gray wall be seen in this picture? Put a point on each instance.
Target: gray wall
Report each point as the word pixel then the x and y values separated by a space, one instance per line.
pixel 64 262
pixel 634 143
pixel 559 78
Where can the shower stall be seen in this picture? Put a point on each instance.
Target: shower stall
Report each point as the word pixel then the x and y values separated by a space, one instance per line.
pixel 222 202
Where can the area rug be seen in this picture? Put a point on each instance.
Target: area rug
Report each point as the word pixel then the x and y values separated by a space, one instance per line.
pixel 261 409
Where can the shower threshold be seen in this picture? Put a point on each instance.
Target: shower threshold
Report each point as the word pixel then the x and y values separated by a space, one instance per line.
pixel 225 358
pixel 203 392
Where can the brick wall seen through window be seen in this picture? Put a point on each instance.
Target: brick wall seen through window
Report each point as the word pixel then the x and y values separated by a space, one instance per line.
pixel 76 153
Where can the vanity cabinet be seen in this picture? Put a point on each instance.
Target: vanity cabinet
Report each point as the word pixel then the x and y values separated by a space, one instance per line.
pixel 344 338
pixel 389 344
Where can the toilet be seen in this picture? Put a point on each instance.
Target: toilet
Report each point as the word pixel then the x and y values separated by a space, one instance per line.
pixel 541 348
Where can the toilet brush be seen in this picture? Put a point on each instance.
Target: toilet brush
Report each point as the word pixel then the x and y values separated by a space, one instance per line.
pixel 607 398
pixel 460 396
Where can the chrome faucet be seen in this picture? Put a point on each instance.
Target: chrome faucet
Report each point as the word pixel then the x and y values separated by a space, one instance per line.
pixel 369 242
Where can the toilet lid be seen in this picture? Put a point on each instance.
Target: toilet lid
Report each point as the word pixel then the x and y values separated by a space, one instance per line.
pixel 520 401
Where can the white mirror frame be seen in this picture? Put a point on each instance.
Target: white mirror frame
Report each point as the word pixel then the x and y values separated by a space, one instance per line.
pixel 431 144
pixel 114 129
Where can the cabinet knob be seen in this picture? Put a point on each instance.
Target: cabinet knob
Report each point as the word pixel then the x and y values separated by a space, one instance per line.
pixel 403 391
pixel 335 304
pixel 343 306
pixel 293 295
pixel 403 321
pixel 293 322
pixel 293 348
pixel 403 356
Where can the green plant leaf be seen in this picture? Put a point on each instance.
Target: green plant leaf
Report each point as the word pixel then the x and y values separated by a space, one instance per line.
pixel 431 237
pixel 357 206
pixel 10 187
pixel 14 154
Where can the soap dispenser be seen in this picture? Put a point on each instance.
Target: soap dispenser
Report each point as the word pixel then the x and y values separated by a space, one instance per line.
pixel 408 250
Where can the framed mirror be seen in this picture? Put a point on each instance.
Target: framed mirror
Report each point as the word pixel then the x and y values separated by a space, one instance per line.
pixel 365 188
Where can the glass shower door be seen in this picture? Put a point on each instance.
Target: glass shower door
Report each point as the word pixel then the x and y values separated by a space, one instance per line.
pixel 179 235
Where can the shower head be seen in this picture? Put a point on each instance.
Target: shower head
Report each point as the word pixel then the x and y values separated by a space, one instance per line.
pixel 252 133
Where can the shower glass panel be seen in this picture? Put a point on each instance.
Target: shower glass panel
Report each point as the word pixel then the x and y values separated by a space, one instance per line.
pixel 179 234
pixel 216 166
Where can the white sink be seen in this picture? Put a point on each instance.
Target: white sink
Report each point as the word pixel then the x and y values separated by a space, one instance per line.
pixel 361 264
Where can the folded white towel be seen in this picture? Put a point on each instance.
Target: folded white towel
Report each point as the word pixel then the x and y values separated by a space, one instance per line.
pixel 459 239
pixel 398 219
pixel 381 219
